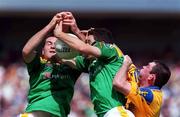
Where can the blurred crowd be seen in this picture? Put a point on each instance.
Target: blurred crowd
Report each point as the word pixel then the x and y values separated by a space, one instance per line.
pixel 14 88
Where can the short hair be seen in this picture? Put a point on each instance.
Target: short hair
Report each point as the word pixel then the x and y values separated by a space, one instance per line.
pixel 101 34
pixel 162 73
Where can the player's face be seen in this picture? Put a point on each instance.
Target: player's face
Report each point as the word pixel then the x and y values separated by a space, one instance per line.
pixel 49 47
pixel 88 37
pixel 145 72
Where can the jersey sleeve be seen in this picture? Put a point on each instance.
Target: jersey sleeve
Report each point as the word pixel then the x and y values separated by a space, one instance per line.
pixel 81 64
pixel 140 96
pixel 34 64
pixel 108 51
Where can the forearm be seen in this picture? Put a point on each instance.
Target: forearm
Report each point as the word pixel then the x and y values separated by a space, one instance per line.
pixel 121 74
pixel 79 45
pixel 28 51
pixel 120 82
pixel 78 33
pixel 35 40
pixel 73 42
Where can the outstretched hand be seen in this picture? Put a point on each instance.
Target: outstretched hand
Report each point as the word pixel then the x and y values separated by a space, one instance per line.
pixel 127 60
pixel 58 29
pixel 56 19
pixel 70 21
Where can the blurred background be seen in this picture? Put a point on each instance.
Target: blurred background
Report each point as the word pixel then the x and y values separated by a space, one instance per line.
pixel 144 29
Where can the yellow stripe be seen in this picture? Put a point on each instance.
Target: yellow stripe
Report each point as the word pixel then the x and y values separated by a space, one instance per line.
pixel 122 111
pixel 43 60
pixel 24 115
pixel 120 53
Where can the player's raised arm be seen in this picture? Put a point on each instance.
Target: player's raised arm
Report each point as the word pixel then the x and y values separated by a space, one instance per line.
pixel 28 51
pixel 120 82
pixel 75 43
pixel 70 21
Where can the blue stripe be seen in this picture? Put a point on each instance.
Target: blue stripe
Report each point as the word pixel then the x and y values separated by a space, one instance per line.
pixel 154 87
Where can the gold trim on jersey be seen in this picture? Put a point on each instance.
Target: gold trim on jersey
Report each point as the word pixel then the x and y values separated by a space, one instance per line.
pixel 24 115
pixel 43 60
pixel 120 53
pixel 122 111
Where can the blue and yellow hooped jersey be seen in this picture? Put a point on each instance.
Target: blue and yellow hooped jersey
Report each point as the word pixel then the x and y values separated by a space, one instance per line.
pixel 143 101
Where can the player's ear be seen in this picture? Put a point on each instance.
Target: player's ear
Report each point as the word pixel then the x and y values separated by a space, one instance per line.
pixel 152 77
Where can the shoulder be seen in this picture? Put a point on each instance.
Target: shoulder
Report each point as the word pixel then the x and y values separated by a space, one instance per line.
pixel 147 94
pixel 104 45
pixel 34 64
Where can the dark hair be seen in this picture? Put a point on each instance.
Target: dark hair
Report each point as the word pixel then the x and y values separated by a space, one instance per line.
pixel 162 73
pixel 101 34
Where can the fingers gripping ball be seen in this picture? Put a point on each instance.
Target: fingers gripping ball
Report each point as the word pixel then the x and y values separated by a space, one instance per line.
pixel 63 51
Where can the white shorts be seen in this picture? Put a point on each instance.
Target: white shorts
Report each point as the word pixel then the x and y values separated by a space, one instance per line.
pixel 35 114
pixel 119 111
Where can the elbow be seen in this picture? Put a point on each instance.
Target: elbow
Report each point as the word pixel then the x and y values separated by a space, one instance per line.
pixel 24 52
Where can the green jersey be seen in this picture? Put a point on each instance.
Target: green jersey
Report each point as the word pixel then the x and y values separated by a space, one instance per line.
pixel 51 87
pixel 101 71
